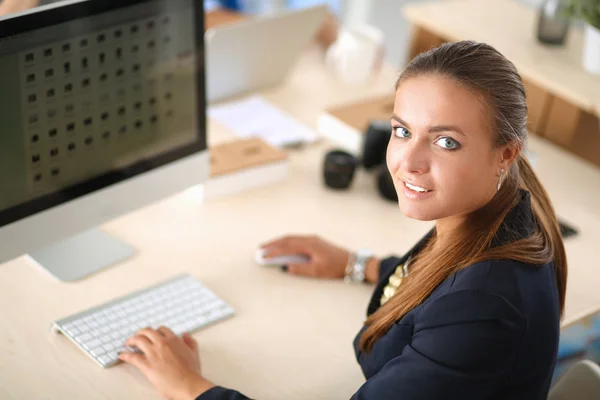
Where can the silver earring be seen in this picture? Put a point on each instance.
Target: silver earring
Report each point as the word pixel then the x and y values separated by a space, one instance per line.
pixel 500 178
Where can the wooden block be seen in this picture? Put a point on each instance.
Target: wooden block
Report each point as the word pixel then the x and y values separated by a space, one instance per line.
pixel 241 154
pixel 538 106
pixel 244 164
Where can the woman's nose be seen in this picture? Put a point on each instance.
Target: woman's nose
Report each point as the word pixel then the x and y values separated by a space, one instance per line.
pixel 415 158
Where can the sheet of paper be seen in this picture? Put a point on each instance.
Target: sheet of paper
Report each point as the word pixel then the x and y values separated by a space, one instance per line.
pixel 255 116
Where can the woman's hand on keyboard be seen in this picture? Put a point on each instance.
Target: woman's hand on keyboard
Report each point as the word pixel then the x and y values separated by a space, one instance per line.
pixel 326 260
pixel 170 363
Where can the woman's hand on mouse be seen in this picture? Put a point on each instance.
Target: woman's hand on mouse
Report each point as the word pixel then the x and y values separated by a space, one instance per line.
pixel 325 259
pixel 171 363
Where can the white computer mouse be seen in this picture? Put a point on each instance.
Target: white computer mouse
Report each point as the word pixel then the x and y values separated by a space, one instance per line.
pixel 281 260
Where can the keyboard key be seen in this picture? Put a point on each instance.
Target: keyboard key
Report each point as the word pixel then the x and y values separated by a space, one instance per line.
pixel 84 337
pixel 73 331
pixel 106 339
pixel 178 329
pixel 105 359
pixel 91 344
pixel 116 335
pixel 97 351
pixel 104 330
pixel 82 326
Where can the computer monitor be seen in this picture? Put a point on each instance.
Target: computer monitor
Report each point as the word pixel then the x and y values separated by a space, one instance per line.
pixel 102 111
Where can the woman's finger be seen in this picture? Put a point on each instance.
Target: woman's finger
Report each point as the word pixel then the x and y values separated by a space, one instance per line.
pixel 135 359
pixel 141 342
pixel 292 246
pixel 190 341
pixel 166 332
pixel 151 334
pixel 289 240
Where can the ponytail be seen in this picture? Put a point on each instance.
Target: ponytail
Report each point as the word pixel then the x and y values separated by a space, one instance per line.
pixel 544 212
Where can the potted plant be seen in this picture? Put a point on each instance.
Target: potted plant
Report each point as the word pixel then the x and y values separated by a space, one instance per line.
pixel 589 12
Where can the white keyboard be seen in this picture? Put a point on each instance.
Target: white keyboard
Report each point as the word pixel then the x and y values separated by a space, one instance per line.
pixel 182 304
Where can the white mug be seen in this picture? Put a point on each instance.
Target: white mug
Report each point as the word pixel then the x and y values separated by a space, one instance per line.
pixel 354 56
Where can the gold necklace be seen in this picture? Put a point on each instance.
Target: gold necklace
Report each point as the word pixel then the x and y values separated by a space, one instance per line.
pixel 394 282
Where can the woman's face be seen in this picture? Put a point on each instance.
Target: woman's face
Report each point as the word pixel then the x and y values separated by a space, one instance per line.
pixel 441 155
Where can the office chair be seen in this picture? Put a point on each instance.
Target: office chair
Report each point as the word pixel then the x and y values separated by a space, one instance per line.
pixel 581 382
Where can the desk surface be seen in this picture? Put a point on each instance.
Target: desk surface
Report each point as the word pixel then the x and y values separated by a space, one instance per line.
pixel 510 26
pixel 221 17
pixel 291 338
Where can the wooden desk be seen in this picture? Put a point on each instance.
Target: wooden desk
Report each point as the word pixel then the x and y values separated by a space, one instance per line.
pixel 221 17
pixel 564 99
pixel 292 337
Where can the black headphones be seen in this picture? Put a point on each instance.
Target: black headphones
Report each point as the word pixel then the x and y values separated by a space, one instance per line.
pixel 339 165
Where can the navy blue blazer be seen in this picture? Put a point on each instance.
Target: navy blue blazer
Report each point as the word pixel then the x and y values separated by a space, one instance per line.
pixel 490 331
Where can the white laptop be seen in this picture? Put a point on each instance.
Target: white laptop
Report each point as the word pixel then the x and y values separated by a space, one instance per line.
pixel 256 53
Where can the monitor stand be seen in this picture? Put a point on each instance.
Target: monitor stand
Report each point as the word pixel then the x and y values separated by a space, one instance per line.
pixel 81 255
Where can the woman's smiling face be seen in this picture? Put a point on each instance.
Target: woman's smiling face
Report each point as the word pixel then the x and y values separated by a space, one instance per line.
pixel 441 154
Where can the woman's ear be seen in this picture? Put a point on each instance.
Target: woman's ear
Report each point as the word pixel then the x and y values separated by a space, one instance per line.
pixel 508 155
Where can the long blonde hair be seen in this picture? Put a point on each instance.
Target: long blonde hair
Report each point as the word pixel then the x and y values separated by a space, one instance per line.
pixel 483 70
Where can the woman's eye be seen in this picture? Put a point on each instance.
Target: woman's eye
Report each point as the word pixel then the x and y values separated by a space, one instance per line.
pixel 448 143
pixel 401 132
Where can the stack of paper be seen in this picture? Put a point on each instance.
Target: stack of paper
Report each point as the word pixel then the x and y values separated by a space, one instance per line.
pixel 256 117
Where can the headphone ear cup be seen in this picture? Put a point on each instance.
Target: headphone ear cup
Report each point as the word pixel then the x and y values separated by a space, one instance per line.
pixel 385 184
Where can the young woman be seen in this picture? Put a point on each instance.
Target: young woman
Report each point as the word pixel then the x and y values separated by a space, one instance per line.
pixel 473 310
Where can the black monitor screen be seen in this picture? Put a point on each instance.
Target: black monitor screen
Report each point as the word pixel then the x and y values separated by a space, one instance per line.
pixel 96 92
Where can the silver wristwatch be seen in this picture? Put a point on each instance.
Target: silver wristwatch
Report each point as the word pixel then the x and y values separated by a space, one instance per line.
pixel 357 265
